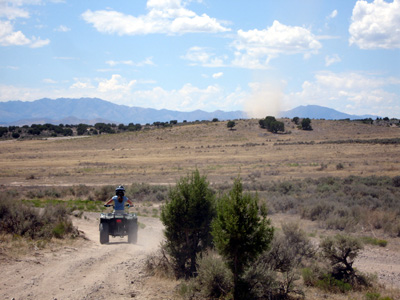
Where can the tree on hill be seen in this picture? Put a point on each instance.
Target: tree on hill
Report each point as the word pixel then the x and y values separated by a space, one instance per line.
pixel 241 231
pixel 187 219
pixel 271 124
pixel 306 124
pixel 231 124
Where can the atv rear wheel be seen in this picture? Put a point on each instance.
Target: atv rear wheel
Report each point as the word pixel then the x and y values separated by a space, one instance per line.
pixel 104 233
pixel 133 233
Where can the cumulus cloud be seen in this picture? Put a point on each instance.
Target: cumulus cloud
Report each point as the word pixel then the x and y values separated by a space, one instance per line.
pixel 332 59
pixel 255 48
pixel 9 11
pixel 350 92
pixel 49 80
pixel 189 98
pixel 204 57
pixel 217 75
pixel 147 62
pixel 164 16
pixel 115 83
pixel 333 14
pixel 9 37
pixel 375 25
pixel 62 28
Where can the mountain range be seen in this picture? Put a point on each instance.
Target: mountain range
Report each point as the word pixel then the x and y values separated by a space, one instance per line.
pixel 94 110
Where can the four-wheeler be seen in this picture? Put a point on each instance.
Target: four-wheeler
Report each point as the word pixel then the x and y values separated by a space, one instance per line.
pixel 118 224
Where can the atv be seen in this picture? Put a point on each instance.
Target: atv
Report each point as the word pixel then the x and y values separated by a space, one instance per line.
pixel 118 224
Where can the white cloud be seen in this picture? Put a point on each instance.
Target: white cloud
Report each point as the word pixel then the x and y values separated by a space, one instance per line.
pixel 217 75
pixel 332 59
pixel 375 25
pixel 9 37
pixel 349 92
pixel 49 80
pixel 147 62
pixel 62 28
pixel 64 58
pixel 38 42
pixel 255 48
pixel 11 10
pixel 333 14
pixel 115 83
pixel 164 16
pixel 204 57
pixel 189 98
pixel 82 84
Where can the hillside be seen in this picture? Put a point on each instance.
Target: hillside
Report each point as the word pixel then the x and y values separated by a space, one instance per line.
pixel 165 154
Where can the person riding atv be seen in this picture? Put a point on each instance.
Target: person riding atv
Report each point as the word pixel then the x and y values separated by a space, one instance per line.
pixel 118 223
pixel 119 200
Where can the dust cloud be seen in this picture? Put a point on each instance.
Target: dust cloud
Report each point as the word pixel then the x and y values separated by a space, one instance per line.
pixel 265 100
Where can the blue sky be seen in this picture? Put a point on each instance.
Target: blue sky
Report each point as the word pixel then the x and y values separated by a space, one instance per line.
pixel 261 56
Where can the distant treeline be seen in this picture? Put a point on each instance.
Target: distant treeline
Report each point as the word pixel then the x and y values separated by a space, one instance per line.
pixel 51 130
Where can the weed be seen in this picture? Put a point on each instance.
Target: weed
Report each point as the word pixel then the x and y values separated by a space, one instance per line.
pixel 374 241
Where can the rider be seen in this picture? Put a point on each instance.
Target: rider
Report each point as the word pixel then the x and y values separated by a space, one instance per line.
pixel 119 199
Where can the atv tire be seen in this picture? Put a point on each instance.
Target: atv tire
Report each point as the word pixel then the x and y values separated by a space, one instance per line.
pixel 133 233
pixel 104 233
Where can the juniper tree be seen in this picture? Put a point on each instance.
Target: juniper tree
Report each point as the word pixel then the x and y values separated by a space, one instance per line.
pixel 241 231
pixel 187 219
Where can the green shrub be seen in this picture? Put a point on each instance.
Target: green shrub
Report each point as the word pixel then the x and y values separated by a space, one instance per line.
pixel 374 241
pixel 187 217
pixel 158 264
pixel 104 193
pixel 214 280
pixel 329 284
pixel 372 296
pixel 309 278
pixel 22 220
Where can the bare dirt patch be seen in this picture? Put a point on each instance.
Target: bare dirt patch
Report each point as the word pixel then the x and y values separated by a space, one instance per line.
pixel 85 271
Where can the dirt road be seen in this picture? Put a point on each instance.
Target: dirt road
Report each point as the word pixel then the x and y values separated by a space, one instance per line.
pixel 95 271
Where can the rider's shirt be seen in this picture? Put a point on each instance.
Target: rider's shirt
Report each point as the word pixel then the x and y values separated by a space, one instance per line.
pixel 119 205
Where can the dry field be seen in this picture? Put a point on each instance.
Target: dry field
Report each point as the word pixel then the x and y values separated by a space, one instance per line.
pixel 161 156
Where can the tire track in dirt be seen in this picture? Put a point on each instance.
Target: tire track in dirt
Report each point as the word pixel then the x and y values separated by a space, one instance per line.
pixel 91 271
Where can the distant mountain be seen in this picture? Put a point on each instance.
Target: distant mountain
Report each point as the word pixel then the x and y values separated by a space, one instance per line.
pixel 320 112
pixel 93 110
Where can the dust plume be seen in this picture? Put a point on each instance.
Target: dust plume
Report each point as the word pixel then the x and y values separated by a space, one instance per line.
pixel 264 100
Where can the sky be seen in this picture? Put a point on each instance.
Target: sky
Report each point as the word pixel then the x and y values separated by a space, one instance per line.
pixel 260 56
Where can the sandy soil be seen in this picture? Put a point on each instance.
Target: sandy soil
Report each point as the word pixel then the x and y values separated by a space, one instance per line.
pixel 88 271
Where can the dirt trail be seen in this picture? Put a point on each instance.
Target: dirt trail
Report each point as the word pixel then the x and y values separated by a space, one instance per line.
pixel 94 271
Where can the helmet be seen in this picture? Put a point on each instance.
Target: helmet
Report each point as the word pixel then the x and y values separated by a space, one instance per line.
pixel 119 190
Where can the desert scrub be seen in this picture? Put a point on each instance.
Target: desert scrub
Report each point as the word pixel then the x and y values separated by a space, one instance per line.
pixel 20 219
pixel 338 203
pixel 374 241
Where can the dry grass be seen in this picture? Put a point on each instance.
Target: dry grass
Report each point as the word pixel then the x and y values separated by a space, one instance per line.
pixel 161 156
